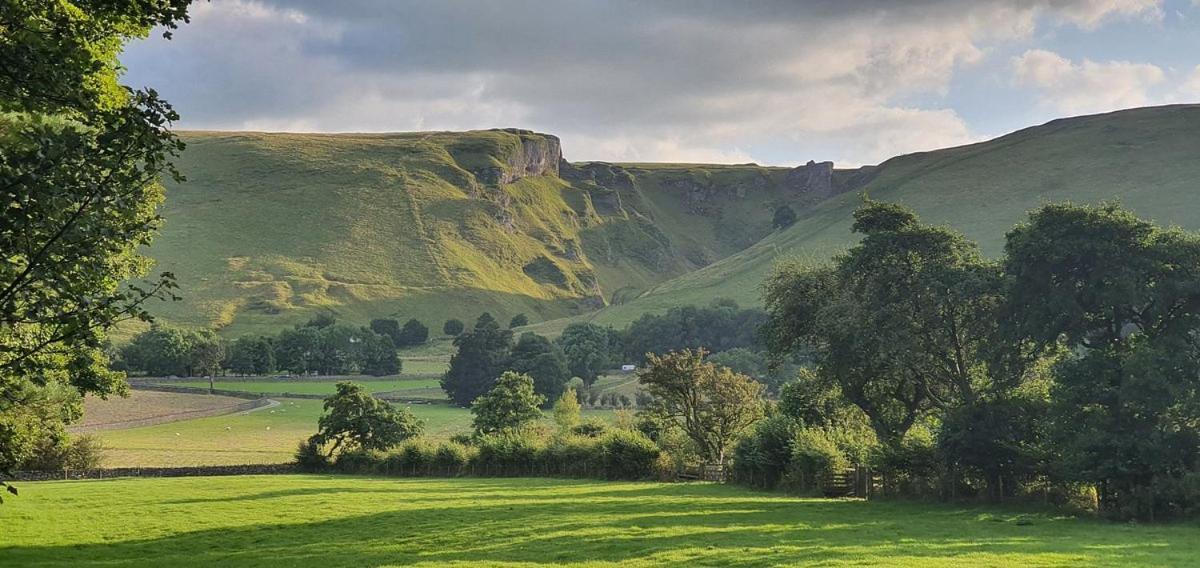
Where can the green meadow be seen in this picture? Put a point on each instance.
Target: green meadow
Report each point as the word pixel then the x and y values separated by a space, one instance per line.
pixel 323 387
pixel 332 521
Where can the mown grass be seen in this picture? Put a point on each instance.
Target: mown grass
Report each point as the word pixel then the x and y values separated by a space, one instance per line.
pixel 332 521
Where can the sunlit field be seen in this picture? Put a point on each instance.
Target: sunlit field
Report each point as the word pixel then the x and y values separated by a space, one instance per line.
pixel 331 521
pixel 323 387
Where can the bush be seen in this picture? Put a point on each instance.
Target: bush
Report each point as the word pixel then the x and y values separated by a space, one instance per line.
pixel 591 427
pixel 79 453
pixel 309 457
pixel 452 458
pixel 762 458
pixel 814 457
pixel 628 455
pixel 360 461
pixel 505 453
pixel 413 458
pixel 573 456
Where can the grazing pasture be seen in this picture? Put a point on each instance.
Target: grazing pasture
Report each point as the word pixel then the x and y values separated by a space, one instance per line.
pixel 143 405
pixel 301 386
pixel 331 521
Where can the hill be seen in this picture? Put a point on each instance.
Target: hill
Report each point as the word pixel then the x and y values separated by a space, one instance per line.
pixel 272 228
pixel 1148 159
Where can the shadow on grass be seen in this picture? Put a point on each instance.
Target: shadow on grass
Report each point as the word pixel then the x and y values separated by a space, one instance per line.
pixel 515 521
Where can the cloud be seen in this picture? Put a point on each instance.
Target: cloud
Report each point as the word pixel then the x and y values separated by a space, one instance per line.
pixel 699 80
pixel 1088 86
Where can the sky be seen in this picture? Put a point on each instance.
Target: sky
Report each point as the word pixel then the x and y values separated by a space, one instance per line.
pixel 773 82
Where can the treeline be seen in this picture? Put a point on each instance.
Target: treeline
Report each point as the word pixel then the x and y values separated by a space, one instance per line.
pixel 320 346
pixel 1069 368
pixel 586 350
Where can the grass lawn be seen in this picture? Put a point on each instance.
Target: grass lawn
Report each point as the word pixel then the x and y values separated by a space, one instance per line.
pixel 267 435
pixel 331 521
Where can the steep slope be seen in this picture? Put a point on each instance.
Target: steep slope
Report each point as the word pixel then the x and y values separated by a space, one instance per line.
pixel 1148 159
pixel 270 228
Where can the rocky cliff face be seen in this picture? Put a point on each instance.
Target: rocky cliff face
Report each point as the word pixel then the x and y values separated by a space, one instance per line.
pixel 535 155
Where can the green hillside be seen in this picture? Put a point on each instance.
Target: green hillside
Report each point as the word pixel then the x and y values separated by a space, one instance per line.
pixel 1148 159
pixel 271 228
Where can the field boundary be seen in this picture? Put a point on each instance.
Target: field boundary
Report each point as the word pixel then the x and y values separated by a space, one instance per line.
pixel 175 416
pixel 147 386
pixel 196 471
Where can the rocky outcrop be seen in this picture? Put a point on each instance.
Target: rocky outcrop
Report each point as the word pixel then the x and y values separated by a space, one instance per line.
pixel 812 180
pixel 535 155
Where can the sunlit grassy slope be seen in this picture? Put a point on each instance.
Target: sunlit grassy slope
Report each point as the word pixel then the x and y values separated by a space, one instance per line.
pixel 333 521
pixel 271 228
pixel 1148 159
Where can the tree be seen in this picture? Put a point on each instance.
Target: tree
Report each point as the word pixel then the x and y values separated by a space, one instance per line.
pixel 388 327
pixel 785 217
pixel 481 356
pixel 519 320
pixel 379 356
pixel 509 405
pixel 588 350
pixel 453 327
pixel 567 410
pixel 711 404
pixel 757 365
pixel 719 327
pixel 297 349
pixel 321 321
pixel 352 419
pixel 206 353
pixel 413 333
pixel 80 158
pixel 249 355
pixel 160 351
pixel 1123 297
pixel 541 359
pixel 903 323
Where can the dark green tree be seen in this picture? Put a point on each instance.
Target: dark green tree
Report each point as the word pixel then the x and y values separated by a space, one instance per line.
pixel 388 327
pixel 588 350
pixel 519 320
pixel 510 404
pixel 251 355
pixel 481 356
pixel 297 350
pixel 413 333
pixel 453 327
pixel 379 356
pixel 353 419
pixel 541 359
pixel 1123 297
pixel 903 323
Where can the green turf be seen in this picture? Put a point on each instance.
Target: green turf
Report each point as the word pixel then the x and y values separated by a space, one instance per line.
pixel 333 521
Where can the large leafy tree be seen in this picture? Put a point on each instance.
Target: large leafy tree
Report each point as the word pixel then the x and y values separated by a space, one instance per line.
pixel 1123 296
pixel 903 322
pixel 483 353
pixel 712 405
pixel 353 419
pixel 538 357
pixel 509 405
pixel 80 158
pixel 589 350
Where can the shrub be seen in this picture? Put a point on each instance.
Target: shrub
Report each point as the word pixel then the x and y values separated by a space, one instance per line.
pixel 592 427
pixel 359 461
pixel 573 456
pixel 413 458
pixel 82 452
pixel 505 453
pixel 628 455
pixel 453 327
pixel 814 456
pixel 762 458
pixel 309 457
pixel 452 458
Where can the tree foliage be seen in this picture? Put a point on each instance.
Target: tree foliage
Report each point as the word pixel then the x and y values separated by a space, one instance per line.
pixel 541 359
pixel 353 419
pixel 482 354
pixel 509 405
pixel 453 327
pixel 589 349
pixel 720 327
pixel 712 404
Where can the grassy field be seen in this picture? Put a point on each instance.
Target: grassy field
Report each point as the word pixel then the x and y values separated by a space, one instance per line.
pixel 267 435
pixel 332 521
